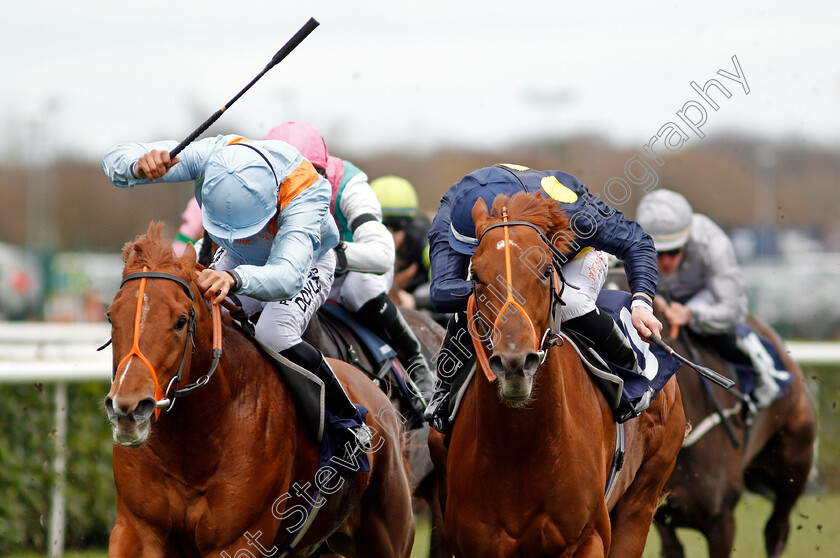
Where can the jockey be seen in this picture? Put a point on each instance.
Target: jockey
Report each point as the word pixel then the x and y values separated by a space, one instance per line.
pixel 597 230
pixel 410 229
pixel 268 210
pixel 365 253
pixel 701 286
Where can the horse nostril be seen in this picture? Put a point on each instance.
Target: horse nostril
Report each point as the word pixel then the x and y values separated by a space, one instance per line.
pixel 109 407
pixel 144 409
pixel 532 362
pixel 496 365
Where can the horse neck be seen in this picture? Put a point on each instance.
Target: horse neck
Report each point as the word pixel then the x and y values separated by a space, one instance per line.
pixel 197 419
pixel 549 410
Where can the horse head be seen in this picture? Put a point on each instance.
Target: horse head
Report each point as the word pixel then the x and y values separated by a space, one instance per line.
pixel 514 273
pixel 153 317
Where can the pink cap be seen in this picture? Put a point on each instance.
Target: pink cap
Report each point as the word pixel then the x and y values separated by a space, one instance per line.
pixel 191 227
pixel 303 137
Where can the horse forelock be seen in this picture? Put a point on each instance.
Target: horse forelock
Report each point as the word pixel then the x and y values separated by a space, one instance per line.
pixel 536 209
pixel 153 251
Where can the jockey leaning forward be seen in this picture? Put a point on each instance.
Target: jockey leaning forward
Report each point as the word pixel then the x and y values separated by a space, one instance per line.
pixel 701 286
pixel 268 210
pixel 598 230
pixel 365 254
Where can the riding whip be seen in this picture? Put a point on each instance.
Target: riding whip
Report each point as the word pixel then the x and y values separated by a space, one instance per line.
pixel 298 37
pixel 717 378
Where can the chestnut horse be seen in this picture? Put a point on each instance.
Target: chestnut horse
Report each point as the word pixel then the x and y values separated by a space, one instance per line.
pixel 338 340
pixel 229 469
pixel 774 454
pixel 531 450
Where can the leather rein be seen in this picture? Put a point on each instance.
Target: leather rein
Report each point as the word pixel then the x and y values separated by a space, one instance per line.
pixel 557 284
pixel 166 400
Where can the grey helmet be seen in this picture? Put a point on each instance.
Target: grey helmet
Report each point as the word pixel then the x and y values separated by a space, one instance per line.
pixel 666 216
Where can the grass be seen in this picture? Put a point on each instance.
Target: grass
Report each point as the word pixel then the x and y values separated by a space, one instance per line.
pixel 813 523
pixel 814 532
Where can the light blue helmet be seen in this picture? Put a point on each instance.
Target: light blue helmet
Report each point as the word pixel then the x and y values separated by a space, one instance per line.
pixel 239 194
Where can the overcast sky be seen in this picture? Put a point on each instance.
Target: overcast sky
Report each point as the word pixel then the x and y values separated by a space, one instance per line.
pixel 412 75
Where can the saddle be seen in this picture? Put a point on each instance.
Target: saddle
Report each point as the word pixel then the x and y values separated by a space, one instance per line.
pixel 309 395
pixel 382 367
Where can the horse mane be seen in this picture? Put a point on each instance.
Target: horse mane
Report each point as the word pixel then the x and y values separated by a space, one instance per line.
pixel 536 209
pixel 154 251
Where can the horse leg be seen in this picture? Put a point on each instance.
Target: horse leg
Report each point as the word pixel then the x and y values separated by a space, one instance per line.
pixel 132 539
pixel 720 533
pixel 387 526
pixel 793 457
pixel 593 547
pixel 428 491
pixel 632 514
pixel 439 546
pixel 794 454
pixel 671 545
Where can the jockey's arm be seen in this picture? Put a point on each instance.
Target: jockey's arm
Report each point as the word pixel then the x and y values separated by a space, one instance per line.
pixel 726 284
pixel 627 241
pixel 372 249
pixel 450 287
pixel 120 162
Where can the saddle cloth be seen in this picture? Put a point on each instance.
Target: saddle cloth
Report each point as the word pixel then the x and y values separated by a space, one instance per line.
pixel 763 353
pixel 387 367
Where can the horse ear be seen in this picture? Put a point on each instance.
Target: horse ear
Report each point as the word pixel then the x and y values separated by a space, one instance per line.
pixel 480 216
pixel 128 251
pixel 188 258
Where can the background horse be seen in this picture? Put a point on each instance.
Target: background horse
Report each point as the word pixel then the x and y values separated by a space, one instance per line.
pixel 531 450
pixel 773 457
pixel 230 469
pixel 337 340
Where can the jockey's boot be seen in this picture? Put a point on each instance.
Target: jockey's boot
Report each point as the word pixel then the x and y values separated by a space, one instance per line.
pixel 455 351
pixel 766 388
pixel 335 398
pixel 606 337
pixel 382 316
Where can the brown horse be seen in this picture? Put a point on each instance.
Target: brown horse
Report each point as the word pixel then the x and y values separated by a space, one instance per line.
pixel 229 469
pixel 531 451
pixel 336 339
pixel 774 454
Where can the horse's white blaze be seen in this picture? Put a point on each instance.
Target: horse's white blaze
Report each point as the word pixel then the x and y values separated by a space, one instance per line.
pixel 500 245
pixel 144 310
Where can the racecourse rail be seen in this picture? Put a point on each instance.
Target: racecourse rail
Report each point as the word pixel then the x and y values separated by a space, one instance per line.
pixel 61 353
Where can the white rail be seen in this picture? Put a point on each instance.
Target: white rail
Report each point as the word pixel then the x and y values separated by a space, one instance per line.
pixel 64 353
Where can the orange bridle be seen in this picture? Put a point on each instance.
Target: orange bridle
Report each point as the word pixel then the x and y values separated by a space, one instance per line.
pixel 165 400
pixel 549 338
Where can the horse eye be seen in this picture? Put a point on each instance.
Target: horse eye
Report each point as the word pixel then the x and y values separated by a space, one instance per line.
pixel 548 271
pixel 108 317
pixel 182 321
pixel 474 278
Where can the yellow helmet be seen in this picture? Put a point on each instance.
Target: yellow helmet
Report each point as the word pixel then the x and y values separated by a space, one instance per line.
pixel 398 200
